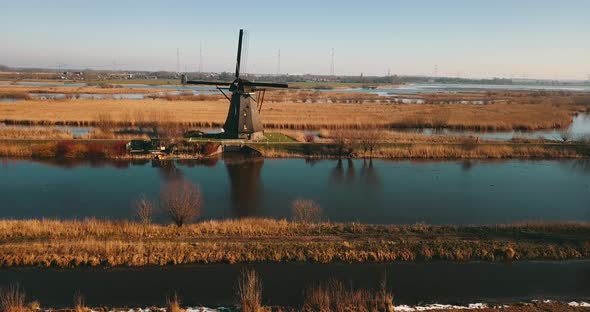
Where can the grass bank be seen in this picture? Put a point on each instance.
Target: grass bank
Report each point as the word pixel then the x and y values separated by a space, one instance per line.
pixel 48 243
pixel 283 148
pixel 456 150
pixel 63 149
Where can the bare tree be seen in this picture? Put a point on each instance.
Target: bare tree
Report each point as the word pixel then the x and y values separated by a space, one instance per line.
pixel 342 139
pixel 369 139
pixel 250 291
pixel 144 210
pixel 306 211
pixel 182 201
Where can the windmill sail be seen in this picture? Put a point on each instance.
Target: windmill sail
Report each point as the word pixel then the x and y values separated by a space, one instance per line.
pixel 239 59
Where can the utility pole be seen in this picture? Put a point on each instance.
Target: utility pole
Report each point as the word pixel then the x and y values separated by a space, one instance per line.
pixel 177 60
pixel 279 63
pixel 200 58
pixel 435 70
pixel 332 64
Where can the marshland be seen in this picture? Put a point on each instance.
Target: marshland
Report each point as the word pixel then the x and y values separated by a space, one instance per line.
pixel 345 184
pixel 339 156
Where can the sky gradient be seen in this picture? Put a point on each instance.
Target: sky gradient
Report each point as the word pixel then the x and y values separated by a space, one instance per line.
pixel 467 38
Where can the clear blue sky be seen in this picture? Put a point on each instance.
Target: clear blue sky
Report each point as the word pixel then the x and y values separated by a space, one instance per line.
pixel 471 38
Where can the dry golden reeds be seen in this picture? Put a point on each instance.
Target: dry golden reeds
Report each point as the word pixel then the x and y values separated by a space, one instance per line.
pixel 519 112
pixel 28 133
pixel 144 210
pixel 173 303
pixel 333 296
pixel 12 299
pixel 79 302
pixel 249 291
pixel 104 243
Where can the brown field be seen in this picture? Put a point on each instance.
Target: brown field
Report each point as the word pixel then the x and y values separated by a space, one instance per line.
pixel 49 243
pixel 306 110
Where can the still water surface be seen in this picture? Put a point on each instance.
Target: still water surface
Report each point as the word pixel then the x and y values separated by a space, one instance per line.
pixel 398 192
pixel 214 285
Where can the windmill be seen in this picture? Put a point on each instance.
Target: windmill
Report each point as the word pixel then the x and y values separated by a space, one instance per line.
pixel 243 118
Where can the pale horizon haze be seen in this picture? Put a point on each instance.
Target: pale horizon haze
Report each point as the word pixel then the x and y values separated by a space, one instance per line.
pixel 467 38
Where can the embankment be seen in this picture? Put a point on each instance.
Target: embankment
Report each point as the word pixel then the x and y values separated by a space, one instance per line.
pixel 48 243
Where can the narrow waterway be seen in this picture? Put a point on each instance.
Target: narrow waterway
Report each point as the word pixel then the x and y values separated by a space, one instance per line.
pixel 214 285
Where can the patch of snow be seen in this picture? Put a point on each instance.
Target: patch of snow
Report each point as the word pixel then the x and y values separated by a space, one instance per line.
pixel 436 306
pixel 201 309
pixel 581 304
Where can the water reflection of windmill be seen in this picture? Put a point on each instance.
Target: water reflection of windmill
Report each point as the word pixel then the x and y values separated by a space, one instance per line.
pixel 245 183
pixel 243 118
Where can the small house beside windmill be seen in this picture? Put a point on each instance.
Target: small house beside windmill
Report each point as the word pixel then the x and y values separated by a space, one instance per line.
pixel 243 118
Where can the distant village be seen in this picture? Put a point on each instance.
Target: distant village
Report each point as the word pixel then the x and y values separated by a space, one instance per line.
pixel 7 73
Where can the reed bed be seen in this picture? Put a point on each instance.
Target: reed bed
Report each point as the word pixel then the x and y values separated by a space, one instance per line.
pixel 544 114
pixel 19 133
pixel 63 149
pixel 48 243
pixel 15 150
pixel 465 149
pixel 472 151
pixel 461 148
pixel 15 95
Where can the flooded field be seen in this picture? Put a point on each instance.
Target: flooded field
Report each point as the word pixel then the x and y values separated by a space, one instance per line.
pixel 213 285
pixel 459 88
pixel 397 192
pixel 579 129
pixel 415 88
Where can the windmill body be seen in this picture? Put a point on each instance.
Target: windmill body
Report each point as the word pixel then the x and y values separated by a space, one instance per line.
pixel 243 117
